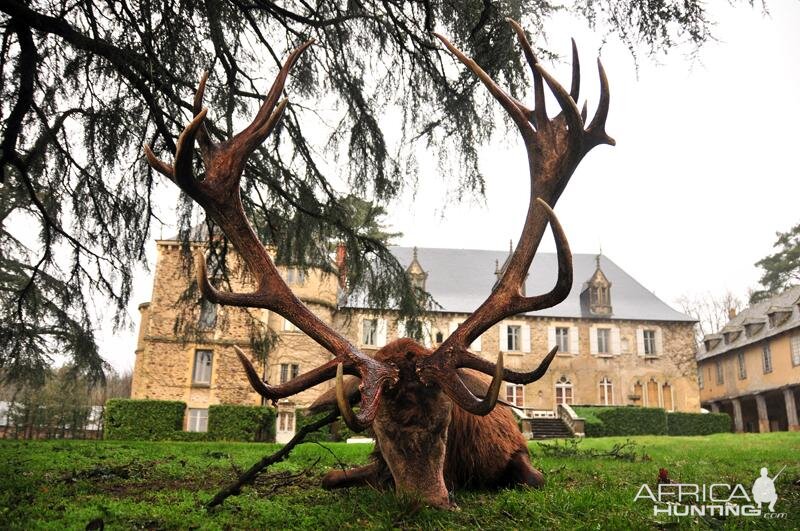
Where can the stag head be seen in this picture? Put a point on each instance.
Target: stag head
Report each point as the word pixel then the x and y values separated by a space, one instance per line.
pixel 412 397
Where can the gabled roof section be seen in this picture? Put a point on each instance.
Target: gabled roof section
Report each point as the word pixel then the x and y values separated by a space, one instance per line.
pixel 756 322
pixel 461 279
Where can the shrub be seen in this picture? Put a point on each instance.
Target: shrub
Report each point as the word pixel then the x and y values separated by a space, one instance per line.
pixel 697 423
pixel 229 422
pixel 142 419
pixel 188 436
pixel 610 421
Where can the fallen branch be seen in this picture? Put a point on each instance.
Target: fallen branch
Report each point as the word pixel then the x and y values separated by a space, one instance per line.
pixel 252 473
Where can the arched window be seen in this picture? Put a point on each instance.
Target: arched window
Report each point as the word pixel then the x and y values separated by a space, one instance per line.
pixel 652 394
pixel 563 391
pixel 439 337
pixel 606 392
pixel 637 397
pixel 666 396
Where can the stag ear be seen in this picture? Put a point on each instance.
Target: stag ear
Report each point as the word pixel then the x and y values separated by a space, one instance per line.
pixel 327 400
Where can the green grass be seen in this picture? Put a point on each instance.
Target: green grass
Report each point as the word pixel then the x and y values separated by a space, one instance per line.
pixel 163 485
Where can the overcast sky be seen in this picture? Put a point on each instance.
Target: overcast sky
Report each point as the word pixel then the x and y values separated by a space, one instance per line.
pixel 704 172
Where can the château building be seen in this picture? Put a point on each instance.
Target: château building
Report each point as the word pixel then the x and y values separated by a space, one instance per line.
pixel 751 368
pixel 618 343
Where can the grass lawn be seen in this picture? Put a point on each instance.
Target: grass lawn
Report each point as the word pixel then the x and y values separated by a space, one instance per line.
pixel 157 485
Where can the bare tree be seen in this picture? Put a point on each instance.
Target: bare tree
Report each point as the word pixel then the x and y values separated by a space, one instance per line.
pixel 711 311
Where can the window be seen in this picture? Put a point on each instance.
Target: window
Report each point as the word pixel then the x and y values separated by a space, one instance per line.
pixel 289 371
pixel 563 391
pixel 720 376
pixel 666 396
pixel 285 421
pixel 603 340
pixel 439 337
pixel 795 350
pixel 208 315
pixel 700 381
pixel 198 420
pixel 562 339
pixel 652 394
pixel 515 394
pixel 638 393
pixel 767 359
pixel 649 337
pixel 606 392
pixel 202 367
pixel 513 337
pixel 295 276
pixel 742 367
pixel 369 332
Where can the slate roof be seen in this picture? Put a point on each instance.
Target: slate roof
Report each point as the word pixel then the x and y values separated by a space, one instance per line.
pixel 757 313
pixel 461 279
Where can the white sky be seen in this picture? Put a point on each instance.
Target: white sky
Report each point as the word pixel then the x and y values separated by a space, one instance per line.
pixel 704 172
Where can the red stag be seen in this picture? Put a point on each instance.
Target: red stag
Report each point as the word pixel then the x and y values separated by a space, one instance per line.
pixel 438 426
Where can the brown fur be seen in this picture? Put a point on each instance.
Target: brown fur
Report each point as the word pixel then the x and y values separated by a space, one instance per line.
pixel 427 445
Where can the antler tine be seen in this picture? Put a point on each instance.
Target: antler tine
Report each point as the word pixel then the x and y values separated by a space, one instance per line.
pixel 265 113
pixel 518 113
pixel 203 138
pixel 571 113
pixel 454 386
pixel 539 108
pixel 468 360
pixel 565 274
pixel 184 153
pixel 345 410
pixel 597 128
pixel 313 377
pixel 575 86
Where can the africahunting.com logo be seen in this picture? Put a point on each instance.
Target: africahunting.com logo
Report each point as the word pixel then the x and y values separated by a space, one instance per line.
pixel 671 498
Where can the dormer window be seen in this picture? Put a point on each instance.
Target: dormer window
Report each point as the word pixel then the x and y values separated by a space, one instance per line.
pixel 596 293
pixel 416 275
pixel 731 333
pixel 778 315
pixel 753 326
pixel 711 341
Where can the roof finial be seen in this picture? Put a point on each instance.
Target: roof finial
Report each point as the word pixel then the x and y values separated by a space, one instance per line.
pixel 415 252
pixel 597 261
pixel 496 266
pixel 510 246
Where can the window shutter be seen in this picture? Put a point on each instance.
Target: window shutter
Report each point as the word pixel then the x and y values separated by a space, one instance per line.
pixel 381 335
pixel 503 337
pixel 526 338
pixel 551 338
pixel 615 346
pixel 574 341
pixel 640 341
pixel 593 340
pixel 659 342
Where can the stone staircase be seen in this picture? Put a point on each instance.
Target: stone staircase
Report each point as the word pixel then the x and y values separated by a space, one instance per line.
pixel 550 428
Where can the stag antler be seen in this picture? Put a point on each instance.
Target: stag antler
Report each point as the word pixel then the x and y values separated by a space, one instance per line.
pixel 220 195
pixel 555 147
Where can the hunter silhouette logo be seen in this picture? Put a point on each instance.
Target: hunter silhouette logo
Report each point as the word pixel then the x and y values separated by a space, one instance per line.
pixel 764 489
pixel 673 498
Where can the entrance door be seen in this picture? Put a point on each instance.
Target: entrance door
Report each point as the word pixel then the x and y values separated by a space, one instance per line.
pixel 285 427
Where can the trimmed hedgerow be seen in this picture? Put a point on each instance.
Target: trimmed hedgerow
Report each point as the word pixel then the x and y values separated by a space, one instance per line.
pixel 228 422
pixel 610 421
pixel 679 423
pixel 151 420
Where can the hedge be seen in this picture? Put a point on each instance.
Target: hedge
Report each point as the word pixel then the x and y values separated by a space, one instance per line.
pixel 609 421
pixel 227 422
pixel 142 419
pixel 697 423
pixel 336 431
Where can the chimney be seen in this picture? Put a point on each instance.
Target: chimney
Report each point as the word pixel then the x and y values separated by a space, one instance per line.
pixel 341 264
pixel 731 313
